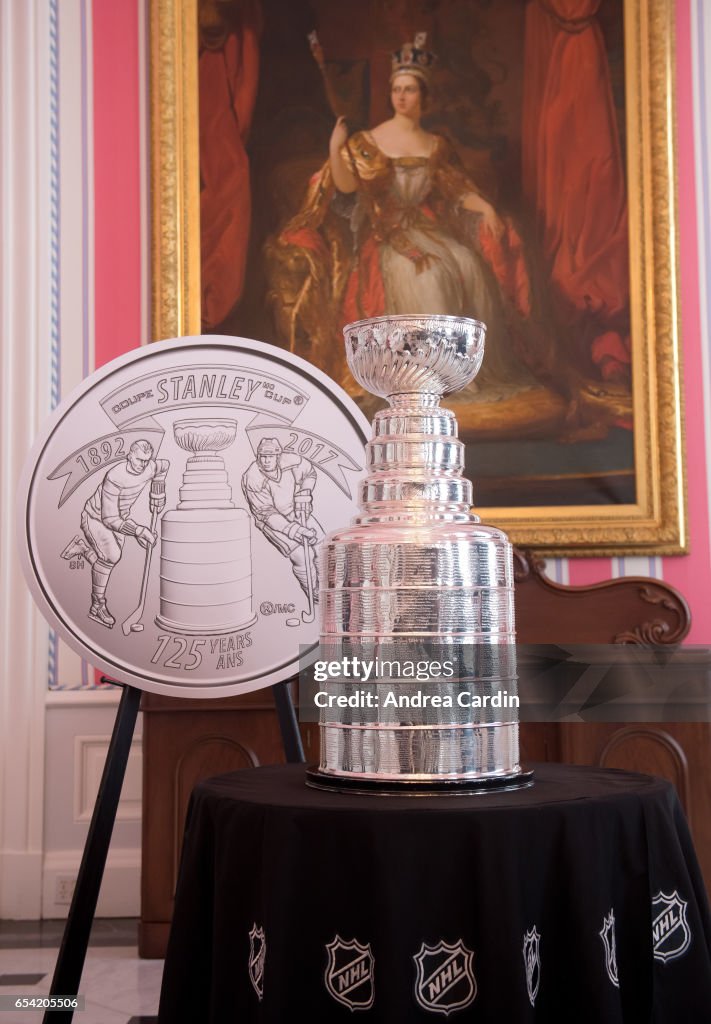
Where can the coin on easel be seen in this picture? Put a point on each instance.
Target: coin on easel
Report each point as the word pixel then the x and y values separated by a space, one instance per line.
pixel 172 508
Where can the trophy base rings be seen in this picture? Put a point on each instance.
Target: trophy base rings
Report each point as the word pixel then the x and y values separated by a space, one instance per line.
pixel 359 783
pixel 209 630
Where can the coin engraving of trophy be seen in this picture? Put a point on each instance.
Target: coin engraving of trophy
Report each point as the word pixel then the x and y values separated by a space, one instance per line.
pixel 206 550
pixel 417 574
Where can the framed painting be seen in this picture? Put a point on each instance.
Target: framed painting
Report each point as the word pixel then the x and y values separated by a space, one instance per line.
pixel 512 160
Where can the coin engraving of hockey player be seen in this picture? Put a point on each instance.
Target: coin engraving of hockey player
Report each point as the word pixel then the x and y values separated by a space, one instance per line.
pixel 106 521
pixel 278 487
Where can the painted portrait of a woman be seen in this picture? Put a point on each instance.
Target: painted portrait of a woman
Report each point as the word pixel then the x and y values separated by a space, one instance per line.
pixel 393 224
pixel 433 158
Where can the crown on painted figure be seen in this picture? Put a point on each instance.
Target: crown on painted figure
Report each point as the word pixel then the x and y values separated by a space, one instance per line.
pixel 413 59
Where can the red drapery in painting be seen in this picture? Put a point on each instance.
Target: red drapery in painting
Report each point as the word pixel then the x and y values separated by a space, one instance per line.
pixel 228 88
pixel 573 174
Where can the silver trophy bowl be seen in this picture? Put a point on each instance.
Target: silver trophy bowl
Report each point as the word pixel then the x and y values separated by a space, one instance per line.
pixel 400 354
pixel 204 435
pixel 417 578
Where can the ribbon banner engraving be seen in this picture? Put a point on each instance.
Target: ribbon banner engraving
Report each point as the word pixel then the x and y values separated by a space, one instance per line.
pixel 189 387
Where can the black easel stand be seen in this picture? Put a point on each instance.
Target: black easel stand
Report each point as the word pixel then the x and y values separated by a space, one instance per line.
pixel 72 952
pixel 75 941
pixel 286 713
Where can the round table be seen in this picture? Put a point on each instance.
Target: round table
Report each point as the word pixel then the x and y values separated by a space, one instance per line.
pixel 579 899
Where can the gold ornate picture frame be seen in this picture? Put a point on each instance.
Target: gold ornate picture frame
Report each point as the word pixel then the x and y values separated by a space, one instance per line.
pixel 656 522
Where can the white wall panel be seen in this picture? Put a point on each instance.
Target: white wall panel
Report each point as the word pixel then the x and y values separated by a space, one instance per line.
pixel 26 311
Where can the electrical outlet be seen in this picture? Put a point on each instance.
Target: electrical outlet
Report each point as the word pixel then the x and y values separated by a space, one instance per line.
pixel 64 888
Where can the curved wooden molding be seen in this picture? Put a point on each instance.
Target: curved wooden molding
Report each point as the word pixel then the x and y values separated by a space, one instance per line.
pixel 628 610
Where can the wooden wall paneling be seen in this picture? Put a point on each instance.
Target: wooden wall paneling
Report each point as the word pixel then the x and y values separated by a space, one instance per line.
pixel 678 751
pixel 186 741
pixel 539 741
pixel 627 611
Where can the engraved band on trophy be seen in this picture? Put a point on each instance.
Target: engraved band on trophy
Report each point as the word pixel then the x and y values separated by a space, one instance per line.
pixel 416 568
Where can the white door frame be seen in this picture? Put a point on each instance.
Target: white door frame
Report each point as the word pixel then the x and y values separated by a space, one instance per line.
pixel 28 303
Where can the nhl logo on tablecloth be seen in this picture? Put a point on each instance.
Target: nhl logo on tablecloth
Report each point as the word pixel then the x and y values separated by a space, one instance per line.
pixel 671 934
pixel 607 934
pixel 532 961
pixel 257 954
pixel 349 974
pixel 445 977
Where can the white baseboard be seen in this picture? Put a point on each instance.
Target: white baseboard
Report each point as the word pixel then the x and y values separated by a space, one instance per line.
pixel 20 885
pixel 120 894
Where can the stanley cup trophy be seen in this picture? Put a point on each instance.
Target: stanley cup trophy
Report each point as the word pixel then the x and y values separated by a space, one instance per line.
pixel 418 580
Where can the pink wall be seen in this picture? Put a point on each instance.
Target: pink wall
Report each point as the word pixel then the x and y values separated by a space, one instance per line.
pixel 117 178
pixel 691 574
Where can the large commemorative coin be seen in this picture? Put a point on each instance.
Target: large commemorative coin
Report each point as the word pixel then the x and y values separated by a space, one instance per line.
pixel 172 508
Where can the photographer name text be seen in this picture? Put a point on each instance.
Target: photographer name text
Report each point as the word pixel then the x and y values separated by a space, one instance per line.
pixel 418 699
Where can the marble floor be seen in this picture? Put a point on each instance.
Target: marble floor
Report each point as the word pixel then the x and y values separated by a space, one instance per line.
pixel 119 988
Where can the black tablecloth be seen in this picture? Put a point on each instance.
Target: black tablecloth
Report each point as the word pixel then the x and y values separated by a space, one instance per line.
pixel 578 900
